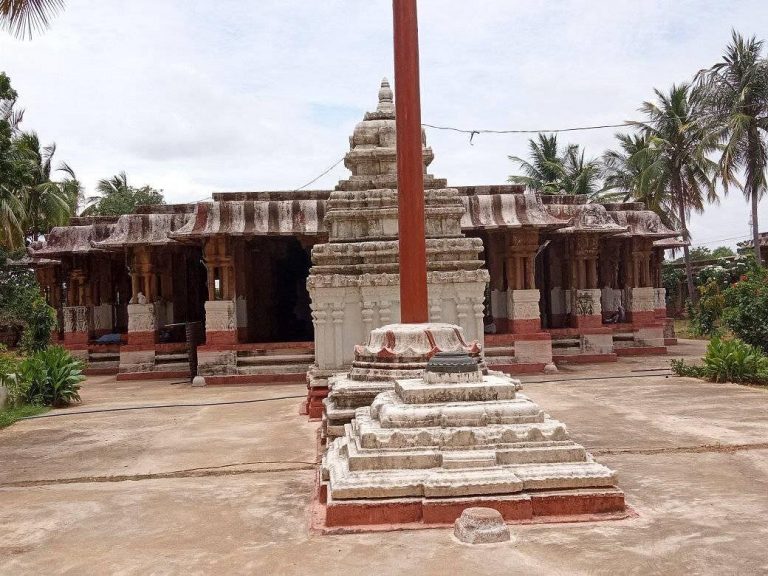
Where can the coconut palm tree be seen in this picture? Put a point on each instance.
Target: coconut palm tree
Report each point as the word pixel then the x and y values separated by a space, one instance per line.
pixel 678 128
pixel 634 173
pixel 47 203
pixel 117 197
pixel 551 171
pixel 23 17
pixel 736 92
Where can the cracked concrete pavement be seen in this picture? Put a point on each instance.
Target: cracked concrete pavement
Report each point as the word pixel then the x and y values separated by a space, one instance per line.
pixel 224 488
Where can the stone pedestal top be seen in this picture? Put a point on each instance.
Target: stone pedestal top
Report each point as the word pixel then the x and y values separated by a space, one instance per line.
pixel 415 341
pixel 481 526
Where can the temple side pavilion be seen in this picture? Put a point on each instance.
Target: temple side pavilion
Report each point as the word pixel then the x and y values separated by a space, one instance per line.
pixel 561 279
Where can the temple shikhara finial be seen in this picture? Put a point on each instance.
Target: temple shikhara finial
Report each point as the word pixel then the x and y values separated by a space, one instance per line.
pixel 386 99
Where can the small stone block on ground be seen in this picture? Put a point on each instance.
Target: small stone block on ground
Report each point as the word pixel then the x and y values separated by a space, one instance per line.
pixel 481 526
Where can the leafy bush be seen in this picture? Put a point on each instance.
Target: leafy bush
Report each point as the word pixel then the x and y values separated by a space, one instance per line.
pixel 23 310
pixel 54 377
pixel 11 380
pixel 705 318
pixel 746 308
pixel 728 361
pixel 40 322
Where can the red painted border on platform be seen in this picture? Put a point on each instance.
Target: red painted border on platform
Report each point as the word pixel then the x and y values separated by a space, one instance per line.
pixel 141 338
pixel 76 340
pixel 641 351
pixel 257 346
pixel 589 322
pixel 642 317
pixel 257 379
pixel 527 326
pixel 578 505
pixel 126 376
pixel 670 341
pixel 584 358
pixel 221 338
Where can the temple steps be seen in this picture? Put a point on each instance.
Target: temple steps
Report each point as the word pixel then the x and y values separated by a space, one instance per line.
pixel 271 359
pixel 623 339
pixel 499 355
pixel 103 363
pixel 266 361
pixel 273 369
pixel 566 346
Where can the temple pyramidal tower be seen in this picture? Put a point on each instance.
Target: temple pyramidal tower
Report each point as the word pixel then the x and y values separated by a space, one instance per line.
pixel 354 279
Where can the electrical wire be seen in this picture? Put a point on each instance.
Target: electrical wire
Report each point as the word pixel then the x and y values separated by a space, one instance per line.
pixel 339 161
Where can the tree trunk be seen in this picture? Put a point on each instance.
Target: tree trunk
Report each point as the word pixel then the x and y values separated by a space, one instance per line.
pixel 692 293
pixel 756 228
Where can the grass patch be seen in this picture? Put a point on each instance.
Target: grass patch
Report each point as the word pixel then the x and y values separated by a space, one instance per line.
pixel 683 330
pixel 10 415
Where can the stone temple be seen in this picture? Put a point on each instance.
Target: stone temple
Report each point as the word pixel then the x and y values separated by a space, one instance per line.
pixel 281 286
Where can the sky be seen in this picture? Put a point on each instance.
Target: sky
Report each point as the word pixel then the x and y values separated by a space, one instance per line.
pixel 200 96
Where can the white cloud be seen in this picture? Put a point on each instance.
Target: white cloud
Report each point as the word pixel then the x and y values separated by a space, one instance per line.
pixel 198 96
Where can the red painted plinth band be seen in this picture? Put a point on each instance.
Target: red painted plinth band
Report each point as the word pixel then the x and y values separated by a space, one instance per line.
pixel 644 317
pixel 594 321
pixel 141 338
pixel 72 339
pixel 528 326
pixel 221 337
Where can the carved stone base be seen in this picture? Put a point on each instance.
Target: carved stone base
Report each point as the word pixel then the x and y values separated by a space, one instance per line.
pixel 393 352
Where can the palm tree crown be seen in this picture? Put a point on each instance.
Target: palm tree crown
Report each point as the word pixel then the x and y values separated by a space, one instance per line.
pixel 736 91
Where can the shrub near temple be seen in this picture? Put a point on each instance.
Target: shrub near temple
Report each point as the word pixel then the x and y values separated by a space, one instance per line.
pixel 728 361
pixel 53 376
pixel 746 308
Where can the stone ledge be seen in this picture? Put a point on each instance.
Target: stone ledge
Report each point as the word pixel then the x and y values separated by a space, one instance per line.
pixel 557 506
pixel 585 358
pixel 257 379
pixel 641 351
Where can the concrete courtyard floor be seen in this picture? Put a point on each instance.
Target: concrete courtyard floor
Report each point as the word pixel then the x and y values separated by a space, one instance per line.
pixel 224 489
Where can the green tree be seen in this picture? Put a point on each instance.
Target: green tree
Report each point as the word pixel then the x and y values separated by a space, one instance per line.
pixel 552 170
pixel 23 17
pixel 682 138
pixel 634 172
pixel 11 208
pixel 117 197
pixel 736 92
pixel 47 203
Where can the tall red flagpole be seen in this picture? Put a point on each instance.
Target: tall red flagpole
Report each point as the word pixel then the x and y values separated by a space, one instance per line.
pixel 414 307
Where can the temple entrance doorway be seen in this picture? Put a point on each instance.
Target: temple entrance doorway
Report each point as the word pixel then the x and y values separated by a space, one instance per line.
pixel 276 301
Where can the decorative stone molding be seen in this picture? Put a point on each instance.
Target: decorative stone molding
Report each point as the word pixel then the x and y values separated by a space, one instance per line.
pixel 76 318
pixel 142 318
pixel 390 353
pixel 587 302
pixel 220 316
pixel 102 318
pixel 523 304
pixel 641 299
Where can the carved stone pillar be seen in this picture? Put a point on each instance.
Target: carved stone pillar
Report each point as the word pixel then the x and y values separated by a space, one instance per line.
pixel 221 307
pixel 640 292
pixel 585 295
pixel 77 326
pixel 496 250
pixel 523 313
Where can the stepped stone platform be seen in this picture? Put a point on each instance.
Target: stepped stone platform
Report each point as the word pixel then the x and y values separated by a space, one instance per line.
pixel 453 439
pixel 392 352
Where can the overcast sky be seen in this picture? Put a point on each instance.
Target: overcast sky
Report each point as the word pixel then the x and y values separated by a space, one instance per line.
pixel 201 96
